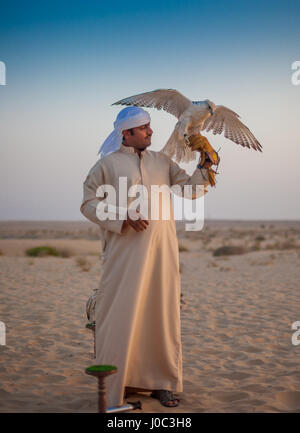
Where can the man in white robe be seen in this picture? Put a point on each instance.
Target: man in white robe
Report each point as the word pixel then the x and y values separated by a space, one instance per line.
pixel 138 301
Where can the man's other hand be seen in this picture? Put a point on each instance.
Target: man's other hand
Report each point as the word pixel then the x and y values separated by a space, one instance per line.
pixel 138 225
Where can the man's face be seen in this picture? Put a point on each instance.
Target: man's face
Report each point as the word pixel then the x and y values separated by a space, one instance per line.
pixel 141 137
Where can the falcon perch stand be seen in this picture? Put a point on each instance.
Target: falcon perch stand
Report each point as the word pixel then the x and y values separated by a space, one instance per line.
pixel 101 372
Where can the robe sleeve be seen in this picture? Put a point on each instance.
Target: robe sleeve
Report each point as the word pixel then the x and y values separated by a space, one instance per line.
pixel 178 176
pixel 88 208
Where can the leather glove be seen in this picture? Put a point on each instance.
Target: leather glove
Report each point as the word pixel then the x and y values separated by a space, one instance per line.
pixel 208 153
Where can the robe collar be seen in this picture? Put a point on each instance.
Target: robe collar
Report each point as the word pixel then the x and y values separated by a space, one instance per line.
pixel 130 150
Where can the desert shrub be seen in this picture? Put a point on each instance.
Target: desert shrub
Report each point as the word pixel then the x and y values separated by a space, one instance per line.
pixel 83 264
pixel 289 245
pixel 255 247
pixel 182 248
pixel 286 245
pixel 229 251
pixel 42 251
pixel 65 252
pixel 212 265
pixel 260 238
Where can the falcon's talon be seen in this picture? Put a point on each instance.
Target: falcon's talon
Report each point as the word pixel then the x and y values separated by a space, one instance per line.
pixel 186 138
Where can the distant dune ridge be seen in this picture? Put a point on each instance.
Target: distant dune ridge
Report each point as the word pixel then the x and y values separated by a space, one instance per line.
pixel 237 314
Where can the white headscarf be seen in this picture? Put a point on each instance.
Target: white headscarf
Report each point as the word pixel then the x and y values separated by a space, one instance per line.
pixel 129 117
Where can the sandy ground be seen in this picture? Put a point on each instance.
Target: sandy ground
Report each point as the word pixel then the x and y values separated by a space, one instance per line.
pixel 238 354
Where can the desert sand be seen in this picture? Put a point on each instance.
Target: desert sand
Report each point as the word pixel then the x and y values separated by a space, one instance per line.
pixel 238 354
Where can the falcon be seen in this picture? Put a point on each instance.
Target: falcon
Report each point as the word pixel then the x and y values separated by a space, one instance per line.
pixel 193 117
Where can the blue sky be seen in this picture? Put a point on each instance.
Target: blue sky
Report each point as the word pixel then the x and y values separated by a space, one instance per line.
pixel 67 62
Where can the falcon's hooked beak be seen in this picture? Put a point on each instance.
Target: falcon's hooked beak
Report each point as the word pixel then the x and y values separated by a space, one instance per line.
pixel 210 110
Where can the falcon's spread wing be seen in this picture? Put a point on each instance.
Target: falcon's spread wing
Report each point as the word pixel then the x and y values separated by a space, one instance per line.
pixel 167 99
pixel 227 120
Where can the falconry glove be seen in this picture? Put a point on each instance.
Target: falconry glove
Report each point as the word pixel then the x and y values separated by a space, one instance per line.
pixel 208 154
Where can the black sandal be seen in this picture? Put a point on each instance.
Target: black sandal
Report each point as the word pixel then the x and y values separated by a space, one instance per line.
pixel 164 397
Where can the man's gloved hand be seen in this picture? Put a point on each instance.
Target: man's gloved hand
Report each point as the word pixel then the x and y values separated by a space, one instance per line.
pixel 208 153
pixel 209 156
